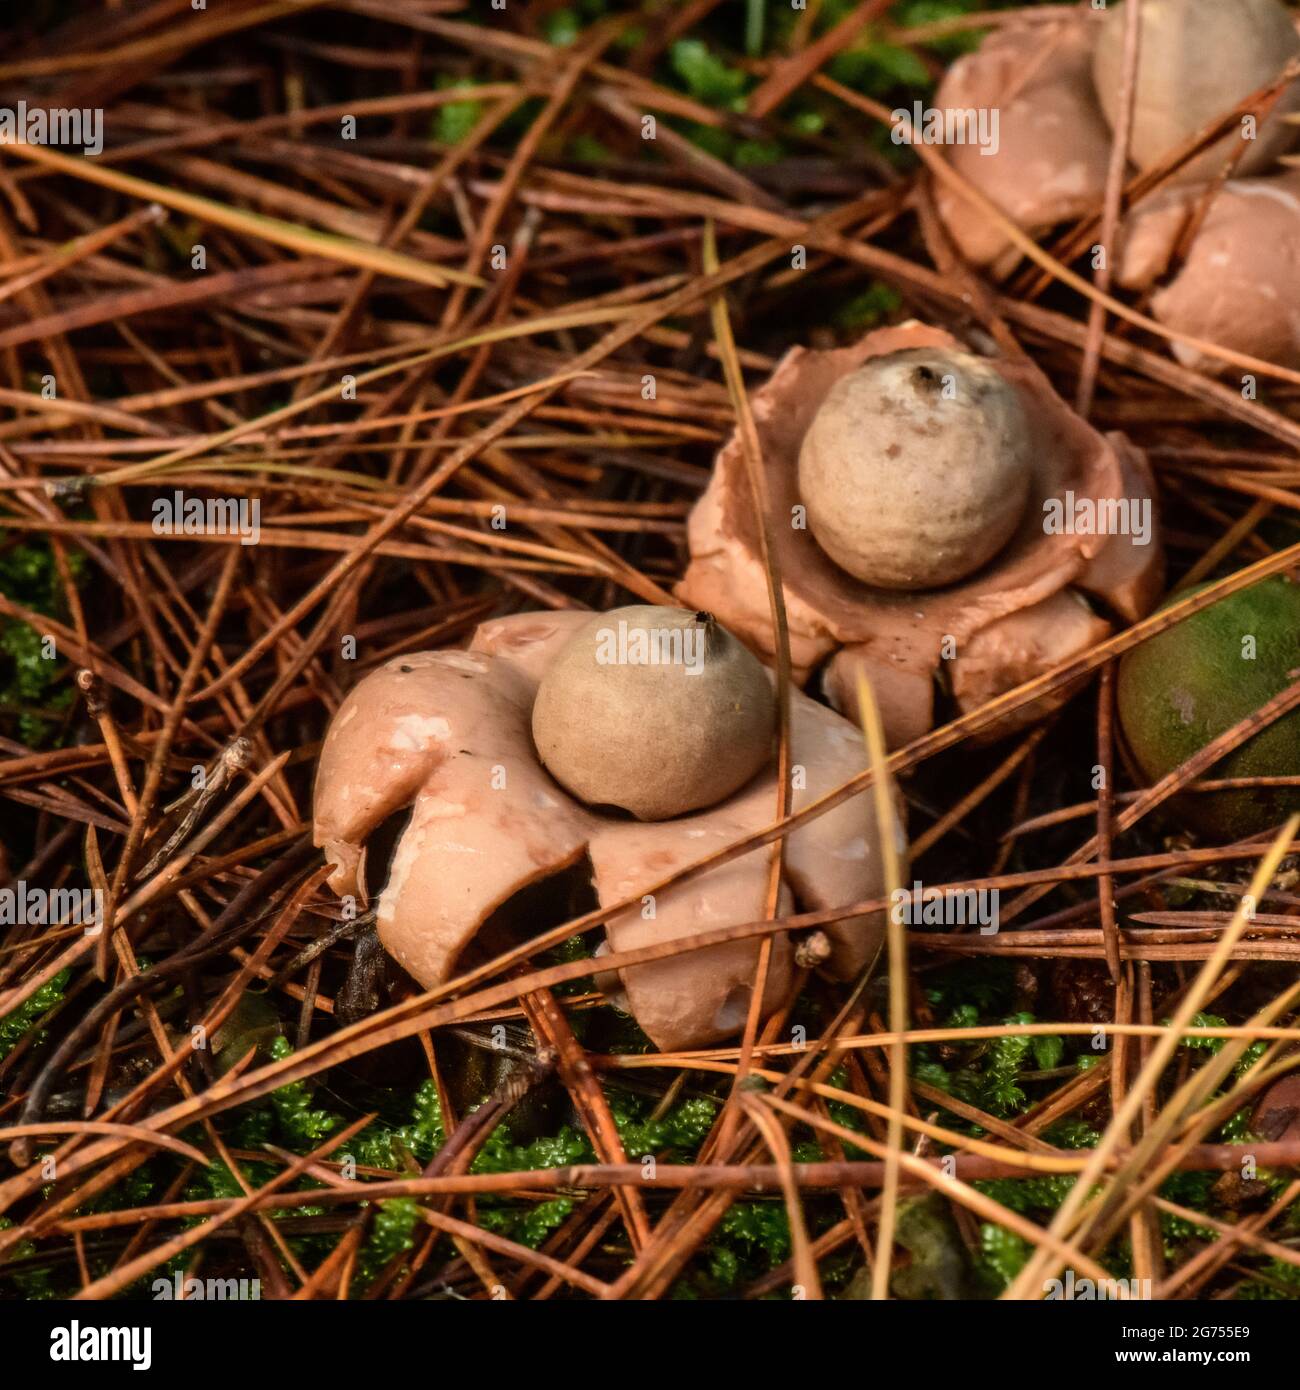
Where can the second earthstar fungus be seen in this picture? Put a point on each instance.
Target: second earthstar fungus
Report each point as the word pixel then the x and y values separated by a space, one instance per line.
pixel 1238 282
pixel 1217 254
pixel 449 734
pixel 1010 533
pixel 1053 144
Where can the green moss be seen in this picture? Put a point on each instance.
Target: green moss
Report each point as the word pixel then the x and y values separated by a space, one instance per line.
pixel 991 1078
pixel 758 1230
pixel 301 1127
pixel 879 68
pixel 1072 1134
pixel 587 149
pixel 1041 1195
pixel 392 1233
pixel 1194 1191
pixel 455 121
pixel 707 78
pixel 682 1129
pixel 530 1227
pixel 1026 1195
pixel 134 1190
pixel 1210 1045
pixel 562 28
pixel 218 1183
pixel 1237 1126
pixel 500 1154
pixel 752 154
pixel 34 1284
pixel 15 1026
pixel 1003 1255
pixel 574 949
pixel 868 309
pixel 28 678
pixel 972 990
pixel 383 1146
pixel 724 1267
pixel 1274 1272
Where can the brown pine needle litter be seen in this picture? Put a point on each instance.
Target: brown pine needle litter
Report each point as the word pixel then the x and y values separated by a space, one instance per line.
pixel 459 303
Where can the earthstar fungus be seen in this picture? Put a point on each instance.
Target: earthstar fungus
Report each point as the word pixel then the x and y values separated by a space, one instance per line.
pixel 1024 611
pixel 1238 282
pixel 653 710
pixel 1056 86
pixel 1197 59
pixel 1053 142
pixel 448 734
pixel 938 441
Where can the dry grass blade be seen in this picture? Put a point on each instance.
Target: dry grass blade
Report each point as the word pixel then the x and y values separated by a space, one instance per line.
pixel 1040 1266
pixel 891 840
pixel 302 240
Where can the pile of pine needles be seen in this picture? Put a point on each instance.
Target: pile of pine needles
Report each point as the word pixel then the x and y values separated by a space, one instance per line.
pixel 383 269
